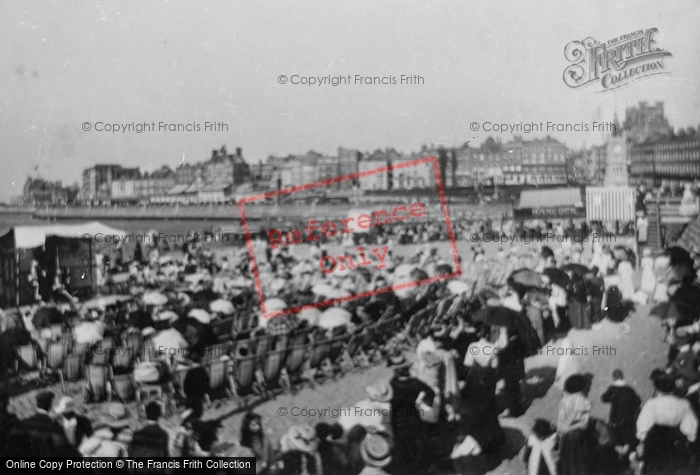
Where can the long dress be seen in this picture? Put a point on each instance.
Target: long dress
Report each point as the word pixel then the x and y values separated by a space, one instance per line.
pixel 481 381
pixel 575 438
pixel 648 277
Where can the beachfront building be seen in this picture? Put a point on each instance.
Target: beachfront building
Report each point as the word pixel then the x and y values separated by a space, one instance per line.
pixel 141 190
pixel 668 161
pixel 97 182
pixel 40 192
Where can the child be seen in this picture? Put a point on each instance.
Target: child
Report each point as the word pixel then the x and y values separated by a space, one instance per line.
pixel 539 449
pixel 624 408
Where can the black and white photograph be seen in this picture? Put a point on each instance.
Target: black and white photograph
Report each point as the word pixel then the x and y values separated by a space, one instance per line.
pixel 385 237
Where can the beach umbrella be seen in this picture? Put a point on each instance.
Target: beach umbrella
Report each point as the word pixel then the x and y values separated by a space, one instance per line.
pixel 170 340
pixel 275 305
pixel 334 317
pixel 222 306
pixel 577 269
pixel 527 278
pixel 310 315
pixel 557 276
pixel 200 315
pixel 154 298
pixel 660 310
pixel 457 287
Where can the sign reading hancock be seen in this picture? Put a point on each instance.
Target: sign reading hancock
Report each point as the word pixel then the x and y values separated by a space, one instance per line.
pixel 616 62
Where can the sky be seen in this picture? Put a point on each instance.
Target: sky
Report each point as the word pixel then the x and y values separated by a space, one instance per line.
pixel 66 63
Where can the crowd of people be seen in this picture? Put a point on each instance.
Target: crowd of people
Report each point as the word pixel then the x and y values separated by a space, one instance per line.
pixel 442 405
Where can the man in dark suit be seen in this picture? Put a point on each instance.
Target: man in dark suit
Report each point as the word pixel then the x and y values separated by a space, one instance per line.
pixel 624 409
pixel 40 435
pixel 151 441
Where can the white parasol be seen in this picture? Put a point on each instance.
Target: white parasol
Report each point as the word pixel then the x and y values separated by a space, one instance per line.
pixel 200 315
pixel 457 287
pixel 170 341
pixel 274 305
pixel 311 315
pixel 322 289
pixel 365 413
pixel 88 332
pixel 222 306
pixel 334 317
pixel 154 298
pixel 166 315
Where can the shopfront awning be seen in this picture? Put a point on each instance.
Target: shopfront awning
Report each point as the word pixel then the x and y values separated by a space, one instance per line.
pixel 554 203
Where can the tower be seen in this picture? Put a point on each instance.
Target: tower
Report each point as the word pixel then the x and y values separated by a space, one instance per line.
pixel 616 152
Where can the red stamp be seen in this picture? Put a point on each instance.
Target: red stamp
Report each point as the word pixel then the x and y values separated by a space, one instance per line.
pixel 353 225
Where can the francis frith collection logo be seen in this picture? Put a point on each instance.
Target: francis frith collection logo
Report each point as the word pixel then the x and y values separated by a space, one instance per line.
pixel 616 62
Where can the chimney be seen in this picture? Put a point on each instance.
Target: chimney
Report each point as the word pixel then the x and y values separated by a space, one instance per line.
pixel 238 151
pixel 214 153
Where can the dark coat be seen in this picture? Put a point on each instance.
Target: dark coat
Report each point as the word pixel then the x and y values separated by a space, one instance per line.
pixel 624 409
pixel 151 442
pixel 40 436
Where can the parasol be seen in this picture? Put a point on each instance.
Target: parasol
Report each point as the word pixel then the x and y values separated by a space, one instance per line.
pixel 527 278
pixel 557 276
pixel 154 298
pixel 222 306
pixel 678 255
pixel 170 341
pixel 310 315
pixel 200 315
pixel 166 315
pixel 504 317
pixel 274 305
pixel 88 332
pixel 577 269
pixel 457 287
pixel 334 317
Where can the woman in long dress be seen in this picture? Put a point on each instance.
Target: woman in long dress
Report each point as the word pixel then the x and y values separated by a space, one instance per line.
pixel 648 277
pixel 578 316
pixel 573 427
pixel 482 361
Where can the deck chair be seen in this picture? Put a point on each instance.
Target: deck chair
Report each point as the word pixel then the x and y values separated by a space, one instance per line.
pixel 241 323
pixel 269 374
pixel 122 360
pixel 353 347
pixel 55 360
pixel 223 329
pixel 72 367
pixel 134 341
pixel 56 330
pixel 261 347
pixel 214 352
pixel 124 388
pixel 244 375
pixel 318 359
pixel 27 359
pixel 220 376
pixel 337 349
pixel 103 351
pixel 178 377
pixel 97 384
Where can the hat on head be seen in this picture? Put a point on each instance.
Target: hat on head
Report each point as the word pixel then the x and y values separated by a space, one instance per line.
pixel 148 331
pixel 575 383
pixel 44 398
pixel 376 449
pixel 397 360
pixel 300 437
pixel 380 391
pixel 116 415
pixel 66 405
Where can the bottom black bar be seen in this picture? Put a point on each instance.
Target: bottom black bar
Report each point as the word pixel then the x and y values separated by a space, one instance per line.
pixel 211 465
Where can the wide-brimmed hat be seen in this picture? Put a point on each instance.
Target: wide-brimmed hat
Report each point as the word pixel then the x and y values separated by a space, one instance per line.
pixel 115 415
pixel 376 449
pixel 301 437
pixel 380 391
pixel 66 405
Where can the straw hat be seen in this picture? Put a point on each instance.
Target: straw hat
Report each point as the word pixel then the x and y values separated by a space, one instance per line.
pixel 300 437
pixel 116 416
pixel 376 449
pixel 66 405
pixel 380 391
